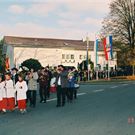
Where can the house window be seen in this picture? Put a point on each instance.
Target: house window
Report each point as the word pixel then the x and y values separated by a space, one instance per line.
pixel 80 57
pixel 67 56
pixel 72 56
pixel 63 56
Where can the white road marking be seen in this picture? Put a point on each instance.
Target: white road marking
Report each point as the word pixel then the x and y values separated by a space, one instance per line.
pixel 113 87
pixel 54 99
pixel 124 84
pixel 80 94
pixel 100 90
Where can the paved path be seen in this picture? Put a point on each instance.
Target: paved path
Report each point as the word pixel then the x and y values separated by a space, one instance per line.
pixel 99 110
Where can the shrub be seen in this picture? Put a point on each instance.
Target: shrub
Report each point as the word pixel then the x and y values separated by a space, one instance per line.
pixel 32 63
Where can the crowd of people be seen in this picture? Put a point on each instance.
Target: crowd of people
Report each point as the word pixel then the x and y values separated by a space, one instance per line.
pixel 18 90
pixel 102 74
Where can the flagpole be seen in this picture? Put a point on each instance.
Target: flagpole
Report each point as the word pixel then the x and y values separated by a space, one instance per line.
pixel 95 51
pixel 108 70
pixel 87 39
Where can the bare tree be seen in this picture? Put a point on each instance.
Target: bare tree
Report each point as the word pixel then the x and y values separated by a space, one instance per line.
pixel 120 22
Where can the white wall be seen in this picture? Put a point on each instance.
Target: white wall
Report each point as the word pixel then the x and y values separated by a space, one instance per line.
pixel 53 57
pixel 46 56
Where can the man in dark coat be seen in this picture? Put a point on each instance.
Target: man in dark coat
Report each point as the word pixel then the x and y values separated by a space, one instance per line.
pixel 14 75
pixel 61 84
pixel 43 85
pixel 49 80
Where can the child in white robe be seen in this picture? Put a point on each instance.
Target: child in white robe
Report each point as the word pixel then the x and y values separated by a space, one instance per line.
pixel 3 99
pixel 2 106
pixel 10 92
pixel 21 88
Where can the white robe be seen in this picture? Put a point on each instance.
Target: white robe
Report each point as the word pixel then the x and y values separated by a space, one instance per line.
pixel 2 90
pixel 21 88
pixel 9 88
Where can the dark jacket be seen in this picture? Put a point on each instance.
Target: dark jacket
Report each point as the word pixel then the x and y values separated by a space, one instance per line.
pixel 43 79
pixel 71 82
pixel 64 79
pixel 15 78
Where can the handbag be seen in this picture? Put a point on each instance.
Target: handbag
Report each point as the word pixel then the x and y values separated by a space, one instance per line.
pixel 53 88
pixel 77 86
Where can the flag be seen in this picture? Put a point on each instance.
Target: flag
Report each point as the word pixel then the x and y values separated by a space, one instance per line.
pixel 97 43
pixel 111 49
pixel 105 48
pixel 96 51
pixel 7 63
pixel 107 42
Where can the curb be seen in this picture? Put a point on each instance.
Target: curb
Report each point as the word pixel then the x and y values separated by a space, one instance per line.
pixel 105 82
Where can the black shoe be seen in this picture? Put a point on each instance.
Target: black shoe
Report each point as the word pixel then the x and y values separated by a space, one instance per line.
pixel 12 110
pixel 63 105
pixel 58 105
pixel 68 101
pixel 44 101
pixel 3 112
pixel 71 101
pixel 41 101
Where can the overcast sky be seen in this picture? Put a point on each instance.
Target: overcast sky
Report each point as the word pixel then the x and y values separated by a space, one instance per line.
pixel 70 19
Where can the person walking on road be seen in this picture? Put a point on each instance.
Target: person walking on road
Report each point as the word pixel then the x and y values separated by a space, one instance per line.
pixel 71 85
pixel 10 92
pixel 32 87
pixel 61 84
pixel 43 85
pixel 21 89
pixel 49 80
pixel 2 96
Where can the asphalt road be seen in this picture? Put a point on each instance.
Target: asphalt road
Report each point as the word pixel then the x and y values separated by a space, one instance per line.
pixel 99 110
